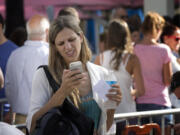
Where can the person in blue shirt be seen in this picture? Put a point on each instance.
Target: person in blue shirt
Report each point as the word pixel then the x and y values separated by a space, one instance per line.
pixel 6 47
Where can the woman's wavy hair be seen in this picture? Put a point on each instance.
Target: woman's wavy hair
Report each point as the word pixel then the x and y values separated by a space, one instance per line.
pixel 56 62
pixel 118 40
pixel 153 22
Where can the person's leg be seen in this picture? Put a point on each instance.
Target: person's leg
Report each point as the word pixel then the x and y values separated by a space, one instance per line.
pixel 143 107
pixel 120 127
pixel 156 119
pixel 20 119
pixel 168 119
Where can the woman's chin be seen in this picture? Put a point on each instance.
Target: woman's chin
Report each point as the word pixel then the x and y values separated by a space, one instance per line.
pixel 72 60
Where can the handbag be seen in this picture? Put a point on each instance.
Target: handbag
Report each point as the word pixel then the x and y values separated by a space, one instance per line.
pixel 63 120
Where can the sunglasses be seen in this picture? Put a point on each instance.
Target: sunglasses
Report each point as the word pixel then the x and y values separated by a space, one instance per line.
pixel 175 38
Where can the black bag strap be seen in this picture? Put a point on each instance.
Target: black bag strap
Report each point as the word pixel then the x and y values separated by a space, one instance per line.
pixel 55 86
pixel 53 83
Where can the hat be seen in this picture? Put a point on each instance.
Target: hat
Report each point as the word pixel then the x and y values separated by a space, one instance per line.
pixel 175 82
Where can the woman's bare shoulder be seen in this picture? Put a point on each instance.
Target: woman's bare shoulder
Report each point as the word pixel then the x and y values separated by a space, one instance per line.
pixel 133 59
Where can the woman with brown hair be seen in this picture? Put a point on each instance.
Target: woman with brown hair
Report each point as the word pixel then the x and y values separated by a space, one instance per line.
pixel 155 59
pixel 125 65
pixel 68 44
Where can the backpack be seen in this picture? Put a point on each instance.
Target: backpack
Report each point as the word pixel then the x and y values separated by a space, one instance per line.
pixel 63 120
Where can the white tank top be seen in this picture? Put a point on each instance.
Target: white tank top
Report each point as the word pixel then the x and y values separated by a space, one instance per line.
pixel 124 80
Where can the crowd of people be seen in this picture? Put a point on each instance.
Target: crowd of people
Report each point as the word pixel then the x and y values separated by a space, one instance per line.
pixel 143 58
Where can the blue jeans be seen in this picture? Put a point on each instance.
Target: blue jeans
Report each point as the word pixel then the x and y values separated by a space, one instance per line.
pixel 155 119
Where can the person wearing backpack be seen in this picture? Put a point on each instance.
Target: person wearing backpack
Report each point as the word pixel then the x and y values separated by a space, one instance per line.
pixel 68 44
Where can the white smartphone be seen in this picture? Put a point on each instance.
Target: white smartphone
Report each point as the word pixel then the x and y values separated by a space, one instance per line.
pixel 76 65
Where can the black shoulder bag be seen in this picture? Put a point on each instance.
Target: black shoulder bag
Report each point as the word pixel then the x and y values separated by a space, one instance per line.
pixel 63 120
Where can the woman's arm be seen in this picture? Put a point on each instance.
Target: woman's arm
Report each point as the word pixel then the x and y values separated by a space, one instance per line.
pixel 167 73
pixel 1 79
pixel 114 97
pixel 99 59
pixel 178 60
pixel 138 78
pixel 110 118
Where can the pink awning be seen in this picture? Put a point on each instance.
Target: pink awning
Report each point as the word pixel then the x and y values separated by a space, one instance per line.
pixel 40 6
pixel 69 2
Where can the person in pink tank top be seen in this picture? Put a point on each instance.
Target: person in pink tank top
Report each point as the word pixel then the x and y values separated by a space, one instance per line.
pixel 155 63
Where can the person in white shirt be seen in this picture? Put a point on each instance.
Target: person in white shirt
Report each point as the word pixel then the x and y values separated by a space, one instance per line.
pixel 6 129
pixel 175 90
pixel 23 63
pixel 171 37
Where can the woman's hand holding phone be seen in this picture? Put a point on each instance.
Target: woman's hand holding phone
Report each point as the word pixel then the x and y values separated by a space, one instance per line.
pixel 72 77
